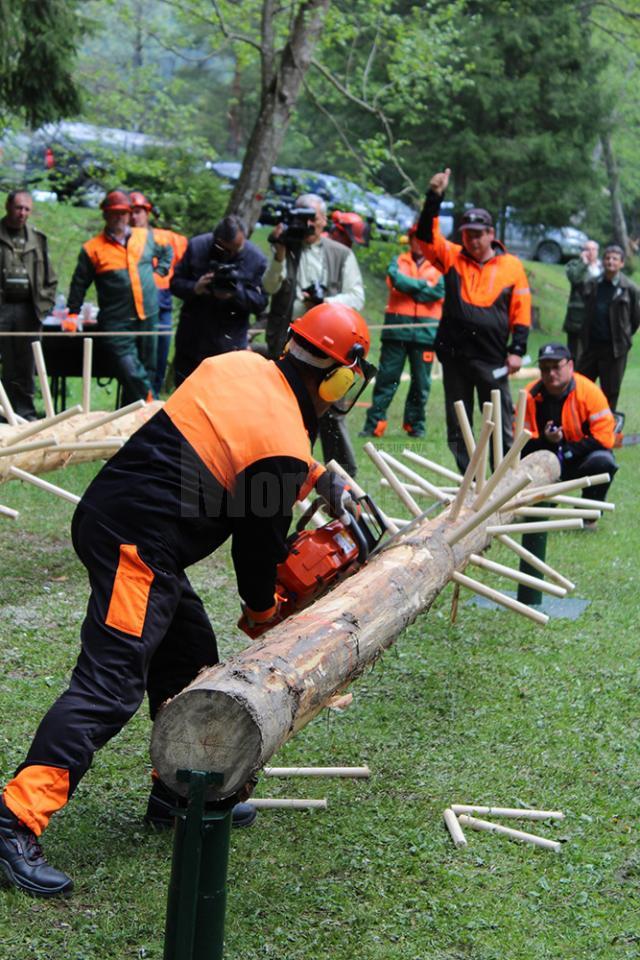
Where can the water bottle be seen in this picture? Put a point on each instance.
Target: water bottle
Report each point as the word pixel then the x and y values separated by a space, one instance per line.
pixel 60 308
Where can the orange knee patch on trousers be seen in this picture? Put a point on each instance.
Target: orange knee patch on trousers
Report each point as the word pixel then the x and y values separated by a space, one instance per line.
pixel 35 793
pixel 130 594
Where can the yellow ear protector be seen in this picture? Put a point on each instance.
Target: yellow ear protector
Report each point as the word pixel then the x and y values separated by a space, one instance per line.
pixel 336 384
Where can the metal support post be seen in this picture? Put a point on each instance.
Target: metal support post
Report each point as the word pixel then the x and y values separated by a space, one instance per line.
pixel 198 887
pixel 536 543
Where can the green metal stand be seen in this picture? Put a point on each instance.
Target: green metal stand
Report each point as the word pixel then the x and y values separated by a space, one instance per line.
pixel 198 887
pixel 536 543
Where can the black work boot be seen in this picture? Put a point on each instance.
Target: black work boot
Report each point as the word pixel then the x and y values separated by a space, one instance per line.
pixel 22 860
pixel 163 801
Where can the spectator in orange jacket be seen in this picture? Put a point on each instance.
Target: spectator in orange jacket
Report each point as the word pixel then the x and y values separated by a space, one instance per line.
pixel 569 415
pixel 486 316
pixel 141 210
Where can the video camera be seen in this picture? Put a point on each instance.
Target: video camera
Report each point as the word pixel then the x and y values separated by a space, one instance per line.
pixel 225 277
pixel 298 224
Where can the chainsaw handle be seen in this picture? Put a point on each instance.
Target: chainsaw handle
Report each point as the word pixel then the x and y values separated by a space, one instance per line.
pixel 359 537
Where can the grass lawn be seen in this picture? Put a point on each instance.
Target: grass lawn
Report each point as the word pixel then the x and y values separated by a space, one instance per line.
pixel 490 710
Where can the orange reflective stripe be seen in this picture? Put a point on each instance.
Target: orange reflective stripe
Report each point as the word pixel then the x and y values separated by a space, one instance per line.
pixel 130 594
pixel 36 793
pixel 135 249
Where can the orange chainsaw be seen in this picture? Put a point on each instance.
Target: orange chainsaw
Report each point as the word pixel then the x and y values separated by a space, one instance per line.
pixel 320 557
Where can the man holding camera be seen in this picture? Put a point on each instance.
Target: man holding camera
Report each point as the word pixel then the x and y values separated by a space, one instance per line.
pixel 219 280
pixel 307 269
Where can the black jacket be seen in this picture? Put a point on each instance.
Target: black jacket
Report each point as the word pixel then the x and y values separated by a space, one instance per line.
pixel 624 313
pixel 210 326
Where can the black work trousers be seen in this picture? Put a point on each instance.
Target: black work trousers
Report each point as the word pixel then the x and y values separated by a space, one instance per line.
pixel 18 364
pixel 597 461
pixel 145 630
pixel 598 363
pixel 462 377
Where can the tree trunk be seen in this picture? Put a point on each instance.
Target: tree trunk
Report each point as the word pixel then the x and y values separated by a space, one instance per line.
pixel 236 715
pixel 280 88
pixel 618 219
pixel 50 458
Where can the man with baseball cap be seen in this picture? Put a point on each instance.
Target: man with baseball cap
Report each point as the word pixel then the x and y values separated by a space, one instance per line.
pixel 486 316
pixel 569 415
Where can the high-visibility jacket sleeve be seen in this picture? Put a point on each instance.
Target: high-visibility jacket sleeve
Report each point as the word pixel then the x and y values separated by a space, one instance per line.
pixel 435 247
pixel 83 276
pixel 163 257
pixel 415 287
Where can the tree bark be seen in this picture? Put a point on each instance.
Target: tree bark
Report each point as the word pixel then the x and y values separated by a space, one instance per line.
pixel 236 715
pixel 281 83
pixel 618 219
pixel 47 459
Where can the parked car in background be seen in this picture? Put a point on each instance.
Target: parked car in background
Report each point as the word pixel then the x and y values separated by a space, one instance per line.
pixel 537 242
pixel 75 160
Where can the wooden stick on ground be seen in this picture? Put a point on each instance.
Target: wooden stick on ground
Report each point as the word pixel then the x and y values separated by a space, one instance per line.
pixel 454 828
pixel 508 832
pixel 357 773
pixel 515 813
pixel 41 367
pixel 44 485
pixel 500 598
pixel 276 803
pixel 9 512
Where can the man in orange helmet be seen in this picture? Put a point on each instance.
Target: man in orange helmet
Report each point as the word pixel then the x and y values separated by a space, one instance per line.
pixel 141 210
pixel 226 458
pixel 121 261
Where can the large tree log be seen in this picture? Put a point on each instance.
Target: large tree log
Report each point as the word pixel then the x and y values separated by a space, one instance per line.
pixel 45 459
pixel 236 715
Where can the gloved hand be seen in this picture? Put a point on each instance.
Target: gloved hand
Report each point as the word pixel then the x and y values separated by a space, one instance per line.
pixel 70 323
pixel 338 496
pixel 255 622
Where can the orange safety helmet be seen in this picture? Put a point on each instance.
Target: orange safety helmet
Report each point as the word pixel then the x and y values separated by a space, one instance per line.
pixel 138 199
pixel 337 330
pixel 349 228
pixel 116 200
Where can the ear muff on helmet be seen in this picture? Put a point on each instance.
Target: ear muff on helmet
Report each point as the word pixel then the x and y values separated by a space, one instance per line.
pixel 336 384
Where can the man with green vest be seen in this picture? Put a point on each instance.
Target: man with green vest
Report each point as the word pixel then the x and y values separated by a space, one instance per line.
pixel 27 293
pixel 416 292
pixel 121 262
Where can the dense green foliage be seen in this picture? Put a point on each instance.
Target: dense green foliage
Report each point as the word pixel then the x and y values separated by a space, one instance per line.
pixel 38 41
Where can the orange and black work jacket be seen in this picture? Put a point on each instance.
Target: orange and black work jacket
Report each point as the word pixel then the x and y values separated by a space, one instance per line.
pixel 582 412
pixel 178 244
pixel 227 456
pixel 415 297
pixel 123 276
pixel 487 307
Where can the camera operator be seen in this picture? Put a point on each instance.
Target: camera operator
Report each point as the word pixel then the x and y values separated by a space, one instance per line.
pixel 309 268
pixel 219 280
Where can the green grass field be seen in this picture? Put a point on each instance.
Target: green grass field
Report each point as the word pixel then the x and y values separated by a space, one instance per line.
pixel 490 710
